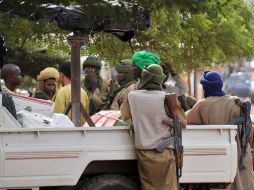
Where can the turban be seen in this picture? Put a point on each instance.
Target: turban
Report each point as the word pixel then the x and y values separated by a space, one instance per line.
pixel 92 61
pixel 124 66
pixel 152 78
pixel 145 58
pixel 212 84
pixel 48 73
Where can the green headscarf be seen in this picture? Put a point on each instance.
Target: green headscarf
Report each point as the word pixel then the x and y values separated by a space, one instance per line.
pixel 92 61
pixel 145 58
pixel 124 66
pixel 152 78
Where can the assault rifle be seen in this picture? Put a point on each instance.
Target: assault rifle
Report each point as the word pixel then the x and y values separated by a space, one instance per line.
pixel 245 130
pixel 172 107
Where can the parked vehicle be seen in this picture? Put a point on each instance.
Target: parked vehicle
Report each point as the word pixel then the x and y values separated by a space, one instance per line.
pixel 240 84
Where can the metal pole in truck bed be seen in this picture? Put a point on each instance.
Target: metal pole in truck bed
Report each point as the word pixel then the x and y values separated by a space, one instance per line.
pixel 75 41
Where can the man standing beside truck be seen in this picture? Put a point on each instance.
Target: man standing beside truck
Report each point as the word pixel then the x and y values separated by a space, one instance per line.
pixel 146 108
pixel 12 76
pixel 218 108
pixel 7 101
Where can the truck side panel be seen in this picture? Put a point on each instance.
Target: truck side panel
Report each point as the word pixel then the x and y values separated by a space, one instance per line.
pixel 54 156
pixel 59 157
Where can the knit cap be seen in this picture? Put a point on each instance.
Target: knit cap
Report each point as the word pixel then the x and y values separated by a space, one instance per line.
pixel 212 83
pixel 124 66
pixel 145 58
pixel 92 61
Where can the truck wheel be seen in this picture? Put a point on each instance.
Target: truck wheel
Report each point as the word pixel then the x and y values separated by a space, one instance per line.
pixel 109 182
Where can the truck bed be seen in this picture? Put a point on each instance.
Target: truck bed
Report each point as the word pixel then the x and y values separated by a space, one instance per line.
pixel 58 156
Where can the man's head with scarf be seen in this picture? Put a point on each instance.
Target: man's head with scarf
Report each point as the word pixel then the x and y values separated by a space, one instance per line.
pixel 48 81
pixel 92 65
pixel 124 77
pixel 152 78
pixel 212 84
pixel 142 59
pixel 124 74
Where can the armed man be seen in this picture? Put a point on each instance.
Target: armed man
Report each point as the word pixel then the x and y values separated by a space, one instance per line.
pixel 221 109
pixel 154 141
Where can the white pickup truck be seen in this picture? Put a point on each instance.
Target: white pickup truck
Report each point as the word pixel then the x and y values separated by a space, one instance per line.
pixel 100 158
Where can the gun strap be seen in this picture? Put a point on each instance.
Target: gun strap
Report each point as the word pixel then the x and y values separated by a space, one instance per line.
pixel 244 132
pixel 244 119
pixel 236 121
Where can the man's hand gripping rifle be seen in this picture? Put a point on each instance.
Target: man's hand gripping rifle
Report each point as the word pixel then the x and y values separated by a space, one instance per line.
pixel 174 111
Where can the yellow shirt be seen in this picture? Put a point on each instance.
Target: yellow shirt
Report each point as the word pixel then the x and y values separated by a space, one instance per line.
pixel 64 96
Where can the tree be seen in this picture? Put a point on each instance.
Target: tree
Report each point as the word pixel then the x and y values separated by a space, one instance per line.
pixel 207 34
pixel 33 45
pixel 188 34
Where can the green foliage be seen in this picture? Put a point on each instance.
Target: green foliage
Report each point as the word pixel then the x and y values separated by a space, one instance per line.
pixel 33 45
pixel 31 63
pixel 188 34
pixel 21 33
pixel 202 35
pixel 28 83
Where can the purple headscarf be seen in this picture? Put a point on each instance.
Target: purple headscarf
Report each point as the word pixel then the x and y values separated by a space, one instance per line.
pixel 212 84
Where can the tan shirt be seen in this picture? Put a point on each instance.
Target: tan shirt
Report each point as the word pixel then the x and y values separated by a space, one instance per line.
pixel 122 96
pixel 213 110
pixel 220 110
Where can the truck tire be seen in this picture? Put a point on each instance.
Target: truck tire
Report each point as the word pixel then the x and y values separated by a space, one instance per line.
pixel 109 182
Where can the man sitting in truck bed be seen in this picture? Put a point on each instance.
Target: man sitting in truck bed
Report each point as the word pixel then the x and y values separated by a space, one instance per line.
pixel 125 78
pixel 96 88
pixel 218 108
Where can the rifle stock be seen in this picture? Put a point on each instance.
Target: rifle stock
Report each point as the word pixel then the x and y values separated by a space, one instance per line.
pixel 173 108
